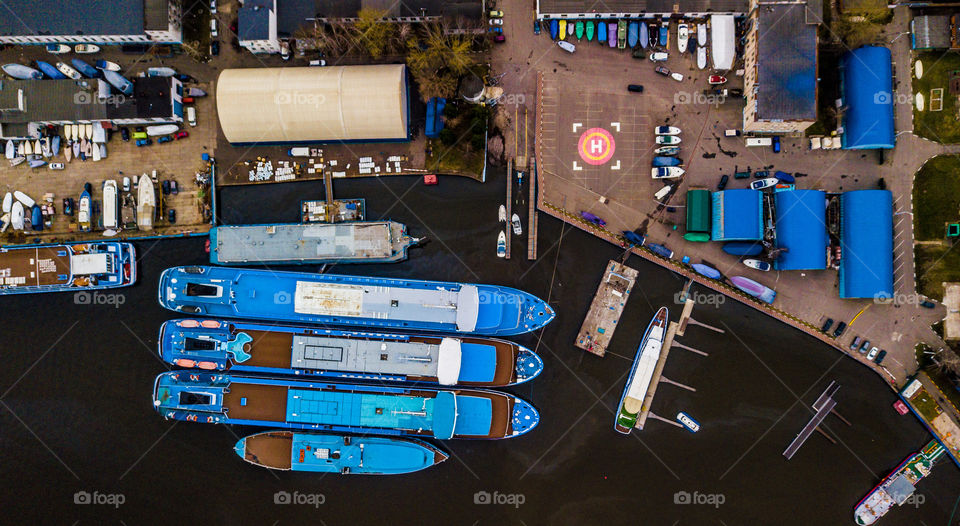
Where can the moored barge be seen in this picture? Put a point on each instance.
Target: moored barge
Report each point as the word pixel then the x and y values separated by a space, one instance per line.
pixel 67 267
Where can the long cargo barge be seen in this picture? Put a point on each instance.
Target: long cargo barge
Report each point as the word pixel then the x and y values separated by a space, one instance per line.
pixel 317 243
pixel 67 267
pixel 243 347
pixel 899 485
pixel 408 304
pixel 216 398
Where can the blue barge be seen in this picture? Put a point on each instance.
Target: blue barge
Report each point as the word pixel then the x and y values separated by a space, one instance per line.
pixel 352 300
pixel 216 398
pixel 68 267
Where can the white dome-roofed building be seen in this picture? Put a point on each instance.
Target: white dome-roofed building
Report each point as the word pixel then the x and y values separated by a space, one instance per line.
pixel 313 104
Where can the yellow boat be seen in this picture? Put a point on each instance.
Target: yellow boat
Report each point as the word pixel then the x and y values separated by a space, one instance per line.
pixel 563 30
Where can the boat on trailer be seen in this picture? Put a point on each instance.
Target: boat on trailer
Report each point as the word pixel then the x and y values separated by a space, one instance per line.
pixel 342 454
pixel 641 374
pixel 66 267
pixel 244 347
pixel 217 398
pixel 338 299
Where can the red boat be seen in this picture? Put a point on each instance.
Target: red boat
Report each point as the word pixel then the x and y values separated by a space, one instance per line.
pixel 717 79
pixel 429 179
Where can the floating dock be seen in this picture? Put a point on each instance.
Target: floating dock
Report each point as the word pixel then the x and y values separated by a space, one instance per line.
pixel 606 309
pixel 317 243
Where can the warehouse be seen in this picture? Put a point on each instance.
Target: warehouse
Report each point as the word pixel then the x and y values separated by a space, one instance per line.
pixel 698 215
pixel 801 230
pixel 867 90
pixel 866 234
pixel 737 215
pixel 310 105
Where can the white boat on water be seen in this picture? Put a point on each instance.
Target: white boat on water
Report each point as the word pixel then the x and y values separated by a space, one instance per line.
pixel 638 382
pixel 515 221
pixel 503 214
pixel 502 245
pixel 683 36
pixel 146 203
pixel 69 71
pixel 111 205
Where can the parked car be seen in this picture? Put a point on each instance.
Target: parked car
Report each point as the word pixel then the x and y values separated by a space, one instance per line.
pixel 665 71
pixel 880 356
pixel 126 184
pixel 171 215
pixel 165 138
pixel 659 56
pixel 496 21
pixel 165 187
pixel 499 30
pixel 839 330
pixel 182 134
pixel 191 116
pixel 499 39
pixel 496 13
pixel 536 27
pixel 863 348
pixel 188 100
pixel 214 48
pixel 144 142
pixel 213 6
pixel 140 134
pixel 56 166
pixel 636 88
pixel 213 28
pixel 183 77
pixel 927 304
pixel 776 144
pixel 826 325
pixel 855 344
pixel 68 206
pixel 873 353
pixel 174 187
pixel 125 134
pixel 723 182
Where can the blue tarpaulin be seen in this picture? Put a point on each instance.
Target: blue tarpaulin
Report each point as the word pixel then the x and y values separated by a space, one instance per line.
pixel 867 81
pixel 737 215
pixel 801 220
pixel 866 236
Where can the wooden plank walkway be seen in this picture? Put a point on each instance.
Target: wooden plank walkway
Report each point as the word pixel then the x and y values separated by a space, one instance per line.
pixel 532 219
pixel 508 226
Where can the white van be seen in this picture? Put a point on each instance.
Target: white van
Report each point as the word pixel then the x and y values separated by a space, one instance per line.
pixel 192 116
pixel 759 141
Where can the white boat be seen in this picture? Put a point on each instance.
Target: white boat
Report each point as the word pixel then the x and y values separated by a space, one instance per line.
pixel 83 212
pixel 107 65
pixel 764 183
pixel 667 172
pixel 16 216
pixel 76 149
pixel 103 151
pixel 27 148
pixel 11 150
pixel 692 425
pixel 86 49
pixel 566 46
pixel 45 147
pixel 515 221
pixel 17 161
pixel 503 214
pixel 677 76
pixel 502 245
pixel 641 374
pixel 88 131
pixel 68 153
pixel 95 151
pixel 87 148
pixel 7 202
pixel 757 264
pixel 5 219
pixel 37 147
pixel 111 205
pixel 69 71
pixel 162 129
pixel 161 72
pixel 24 198
pixel 668 140
pixel 702 35
pixel 57 49
pixel 702 57
pixel 72 132
pixel 146 203
pixel 666 130
pixel 683 35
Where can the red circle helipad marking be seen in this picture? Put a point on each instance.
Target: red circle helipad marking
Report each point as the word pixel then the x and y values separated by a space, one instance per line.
pixel 596 146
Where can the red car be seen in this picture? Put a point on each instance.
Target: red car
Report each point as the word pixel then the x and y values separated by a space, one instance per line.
pixel 182 135
pixel 188 100
pixel 499 38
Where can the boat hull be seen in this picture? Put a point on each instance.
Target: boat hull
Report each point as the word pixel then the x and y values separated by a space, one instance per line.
pixel 641 373
pixel 62 272
pixel 489 310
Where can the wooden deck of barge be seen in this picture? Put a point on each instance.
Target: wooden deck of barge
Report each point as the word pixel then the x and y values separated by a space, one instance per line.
pixel 607 307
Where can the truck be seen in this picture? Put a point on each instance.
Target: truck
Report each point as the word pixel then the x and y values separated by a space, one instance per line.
pixel 759 141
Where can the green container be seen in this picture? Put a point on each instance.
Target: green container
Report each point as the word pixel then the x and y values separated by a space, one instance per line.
pixel 697 237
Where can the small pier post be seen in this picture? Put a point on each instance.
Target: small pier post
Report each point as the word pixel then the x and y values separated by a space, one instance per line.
pixel 662 419
pixel 678 384
pixel 691 349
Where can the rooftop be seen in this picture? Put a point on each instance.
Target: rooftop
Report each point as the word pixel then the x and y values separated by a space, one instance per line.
pixel 75 17
pixel 643 6
pixel 930 32
pixel 254 20
pixel 786 63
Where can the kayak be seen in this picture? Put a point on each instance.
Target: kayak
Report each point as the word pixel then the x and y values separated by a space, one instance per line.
pixel 578 29
pixel 644 36
pixel 589 30
pixel 633 31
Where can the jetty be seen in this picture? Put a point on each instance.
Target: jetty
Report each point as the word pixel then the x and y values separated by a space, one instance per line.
pixel 607 307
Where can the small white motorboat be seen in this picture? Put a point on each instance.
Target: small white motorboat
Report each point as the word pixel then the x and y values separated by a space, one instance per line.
pixel 27 148
pixel 666 130
pixel 162 129
pixel 502 245
pixel 37 147
pixel 667 172
pixel 515 221
pixel 86 49
pixel 503 214
pixel 88 131
pixel 764 183
pixel 11 150
pixel 24 198
pixel 107 65
pixel 57 49
pixel 16 161
pixel 7 202
pixel 69 71
pixel 668 140
pixel 757 264
pixel 95 151
pixel 702 57
pixel 569 47
pixel 683 36
pixel 16 216
pixel 68 153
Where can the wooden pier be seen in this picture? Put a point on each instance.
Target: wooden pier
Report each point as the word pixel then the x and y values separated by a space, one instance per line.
pixel 532 219
pixel 606 308
pixel 508 226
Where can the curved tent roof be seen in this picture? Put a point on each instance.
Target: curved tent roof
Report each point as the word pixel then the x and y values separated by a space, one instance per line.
pixel 868 96
pixel 802 229
pixel 866 234
pixel 313 104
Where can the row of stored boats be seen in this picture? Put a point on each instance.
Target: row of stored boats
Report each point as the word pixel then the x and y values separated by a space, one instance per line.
pixel 642 34
pixel 315 382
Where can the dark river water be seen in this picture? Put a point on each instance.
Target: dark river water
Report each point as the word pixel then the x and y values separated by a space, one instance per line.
pixel 77 422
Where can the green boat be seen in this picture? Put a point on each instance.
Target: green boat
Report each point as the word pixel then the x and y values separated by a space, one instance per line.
pixel 590 30
pixel 579 29
pixel 621 34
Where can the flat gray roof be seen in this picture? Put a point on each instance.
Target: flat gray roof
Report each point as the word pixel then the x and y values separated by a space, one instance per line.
pixel 548 7
pixel 931 32
pixel 787 63
pixel 71 17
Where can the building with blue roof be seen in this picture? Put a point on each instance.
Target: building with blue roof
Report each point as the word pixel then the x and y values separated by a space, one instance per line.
pixel 866 237
pixel 737 215
pixel 866 77
pixel 801 219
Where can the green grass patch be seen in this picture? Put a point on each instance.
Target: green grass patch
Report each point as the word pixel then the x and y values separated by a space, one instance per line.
pixel 941 126
pixel 925 405
pixel 936 264
pixel 936 197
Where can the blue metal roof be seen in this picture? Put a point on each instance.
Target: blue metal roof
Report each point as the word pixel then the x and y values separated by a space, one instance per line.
pixel 801 228
pixel 866 236
pixel 737 215
pixel 867 76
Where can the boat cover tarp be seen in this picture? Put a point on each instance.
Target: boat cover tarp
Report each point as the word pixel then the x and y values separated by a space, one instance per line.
pixel 723 40
pixel 474 416
pixel 445 415
pixel 479 363
pixel 737 215
pixel 698 210
pixel 449 361
pixel 468 310
pixel 801 219
pixel 866 237
pixel 867 83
